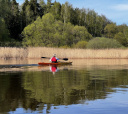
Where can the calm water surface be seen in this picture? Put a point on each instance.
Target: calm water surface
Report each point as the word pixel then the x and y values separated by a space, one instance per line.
pixel 92 87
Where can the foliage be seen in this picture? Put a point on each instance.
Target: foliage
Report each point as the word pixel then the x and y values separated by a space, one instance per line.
pixel 120 37
pixel 81 44
pixel 68 25
pixel 3 31
pixel 48 32
pixel 56 10
pixel 80 33
pixel 32 38
pixel 110 30
pixel 103 43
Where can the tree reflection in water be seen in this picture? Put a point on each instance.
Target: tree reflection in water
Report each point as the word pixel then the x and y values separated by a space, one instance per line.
pixel 39 90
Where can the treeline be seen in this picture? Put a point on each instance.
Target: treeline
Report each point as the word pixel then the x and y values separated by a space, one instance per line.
pixel 36 23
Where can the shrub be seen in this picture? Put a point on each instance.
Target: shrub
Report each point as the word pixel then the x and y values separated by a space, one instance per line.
pixel 103 43
pixel 81 44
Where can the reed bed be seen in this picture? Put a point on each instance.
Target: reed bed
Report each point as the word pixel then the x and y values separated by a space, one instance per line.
pixel 38 52
pixel 9 52
pixel 78 53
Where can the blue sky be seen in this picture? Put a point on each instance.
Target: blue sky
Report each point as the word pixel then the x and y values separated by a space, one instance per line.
pixel 115 10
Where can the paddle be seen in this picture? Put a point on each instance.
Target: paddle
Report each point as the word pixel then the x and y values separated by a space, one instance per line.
pixel 58 58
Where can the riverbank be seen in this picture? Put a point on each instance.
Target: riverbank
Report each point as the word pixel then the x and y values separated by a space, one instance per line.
pixel 38 52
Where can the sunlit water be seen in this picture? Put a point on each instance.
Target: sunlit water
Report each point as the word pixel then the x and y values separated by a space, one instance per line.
pixel 89 87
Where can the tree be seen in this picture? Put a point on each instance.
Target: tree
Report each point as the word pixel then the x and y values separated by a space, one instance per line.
pixel 42 3
pixel 32 36
pixel 42 7
pixel 82 17
pixel 80 34
pixel 40 33
pixel 24 14
pixel 34 8
pixel 4 15
pixel 4 33
pixel 67 35
pixel 48 29
pixel 10 13
pixel 50 32
pixel 56 10
pixel 66 12
pixel 110 30
pixel 75 16
pixel 14 24
pixel 48 6
pixel 5 8
pixel 30 11
pixel 58 32
pixel 120 37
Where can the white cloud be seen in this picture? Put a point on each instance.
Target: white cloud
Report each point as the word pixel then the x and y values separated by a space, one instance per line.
pixel 121 7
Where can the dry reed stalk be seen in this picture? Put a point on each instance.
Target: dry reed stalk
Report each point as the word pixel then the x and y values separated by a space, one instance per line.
pixel 38 52
pixel 9 52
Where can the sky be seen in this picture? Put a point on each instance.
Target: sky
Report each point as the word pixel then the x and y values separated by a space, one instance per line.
pixel 114 10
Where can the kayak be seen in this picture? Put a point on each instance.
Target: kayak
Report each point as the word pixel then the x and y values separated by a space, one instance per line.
pixel 58 63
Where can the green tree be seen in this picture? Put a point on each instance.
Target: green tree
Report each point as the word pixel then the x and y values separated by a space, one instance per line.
pixel 67 35
pixel 4 33
pixel 30 11
pixel 32 35
pixel 42 7
pixel 56 10
pixel 5 8
pixel 5 11
pixel 34 8
pixel 75 16
pixel 23 12
pixel 14 22
pixel 121 28
pixel 58 32
pixel 48 29
pixel 39 33
pixel 80 33
pixel 48 6
pixel 42 3
pixel 53 33
pixel 82 17
pixel 91 21
pixel 120 37
pixel 66 12
pixel 110 30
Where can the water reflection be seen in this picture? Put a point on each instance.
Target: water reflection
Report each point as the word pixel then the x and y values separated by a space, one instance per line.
pixel 40 90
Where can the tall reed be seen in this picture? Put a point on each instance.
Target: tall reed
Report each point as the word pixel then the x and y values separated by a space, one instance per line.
pixel 38 52
pixel 10 52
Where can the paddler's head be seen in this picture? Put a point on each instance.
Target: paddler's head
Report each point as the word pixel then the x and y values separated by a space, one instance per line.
pixel 54 55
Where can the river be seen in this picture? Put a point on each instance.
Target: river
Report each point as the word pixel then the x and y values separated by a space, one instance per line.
pixel 85 87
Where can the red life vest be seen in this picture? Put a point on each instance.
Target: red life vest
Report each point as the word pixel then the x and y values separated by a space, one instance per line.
pixel 53 59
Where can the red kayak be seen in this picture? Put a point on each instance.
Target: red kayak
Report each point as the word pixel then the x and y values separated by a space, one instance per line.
pixel 58 63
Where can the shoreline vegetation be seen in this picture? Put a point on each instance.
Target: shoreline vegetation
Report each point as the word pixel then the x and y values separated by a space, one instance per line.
pixel 38 52
pixel 52 24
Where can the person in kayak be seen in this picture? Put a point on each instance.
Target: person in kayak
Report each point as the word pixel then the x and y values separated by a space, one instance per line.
pixel 54 59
